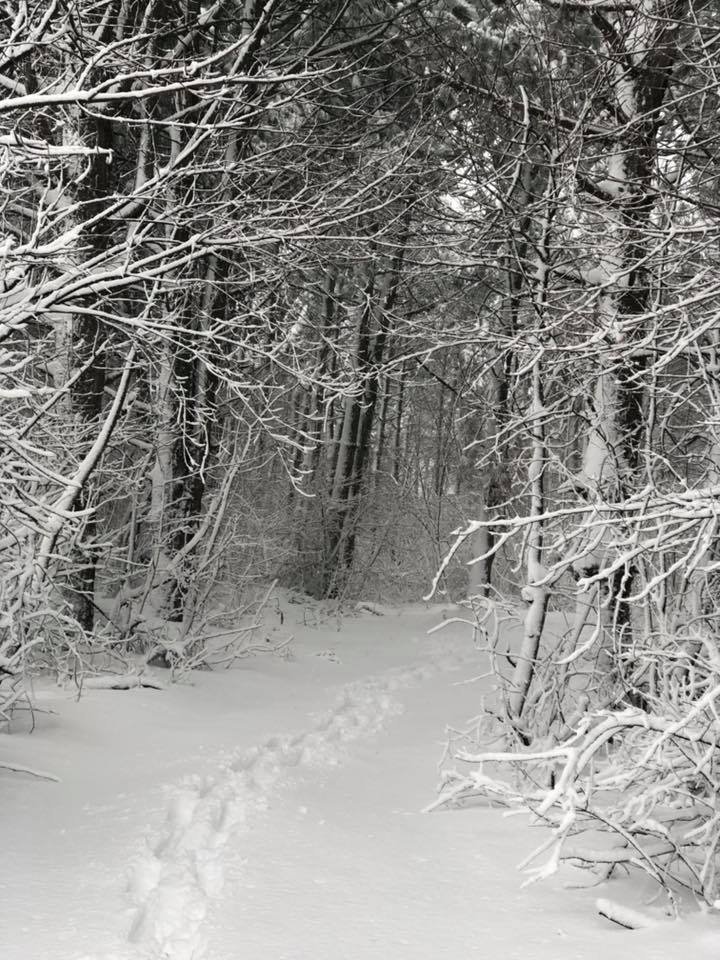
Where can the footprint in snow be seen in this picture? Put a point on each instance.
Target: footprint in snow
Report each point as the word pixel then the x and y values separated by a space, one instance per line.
pixel 328 655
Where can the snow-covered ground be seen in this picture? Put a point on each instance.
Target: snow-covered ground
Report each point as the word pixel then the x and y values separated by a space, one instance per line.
pixel 274 811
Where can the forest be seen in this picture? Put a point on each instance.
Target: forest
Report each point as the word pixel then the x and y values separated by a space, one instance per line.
pixel 380 300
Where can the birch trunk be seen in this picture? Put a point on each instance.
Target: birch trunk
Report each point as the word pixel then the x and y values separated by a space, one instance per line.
pixel 535 592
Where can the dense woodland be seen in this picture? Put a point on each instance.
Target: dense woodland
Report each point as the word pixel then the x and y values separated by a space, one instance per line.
pixel 349 293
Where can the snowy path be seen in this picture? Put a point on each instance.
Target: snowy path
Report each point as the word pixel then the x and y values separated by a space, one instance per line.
pixel 184 870
pixel 186 827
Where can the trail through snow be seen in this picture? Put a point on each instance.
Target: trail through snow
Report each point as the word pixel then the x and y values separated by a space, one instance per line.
pixel 183 871
pixel 185 827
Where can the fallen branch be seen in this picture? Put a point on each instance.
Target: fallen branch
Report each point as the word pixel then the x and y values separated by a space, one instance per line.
pixel 19 768
pixel 128 681
pixel 623 916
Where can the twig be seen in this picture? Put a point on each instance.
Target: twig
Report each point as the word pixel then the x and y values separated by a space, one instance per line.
pixel 19 768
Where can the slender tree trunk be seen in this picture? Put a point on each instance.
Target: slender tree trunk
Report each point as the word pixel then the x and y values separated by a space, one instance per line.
pixel 535 592
pixel 494 486
pixel 397 462
pixel 382 426
pixel 88 339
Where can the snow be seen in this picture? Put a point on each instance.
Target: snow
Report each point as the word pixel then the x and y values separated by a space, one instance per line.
pixel 274 811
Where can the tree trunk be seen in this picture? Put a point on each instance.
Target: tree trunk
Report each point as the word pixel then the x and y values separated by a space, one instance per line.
pixel 640 64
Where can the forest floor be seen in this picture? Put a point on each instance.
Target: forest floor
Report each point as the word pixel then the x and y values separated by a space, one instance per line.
pixel 273 812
